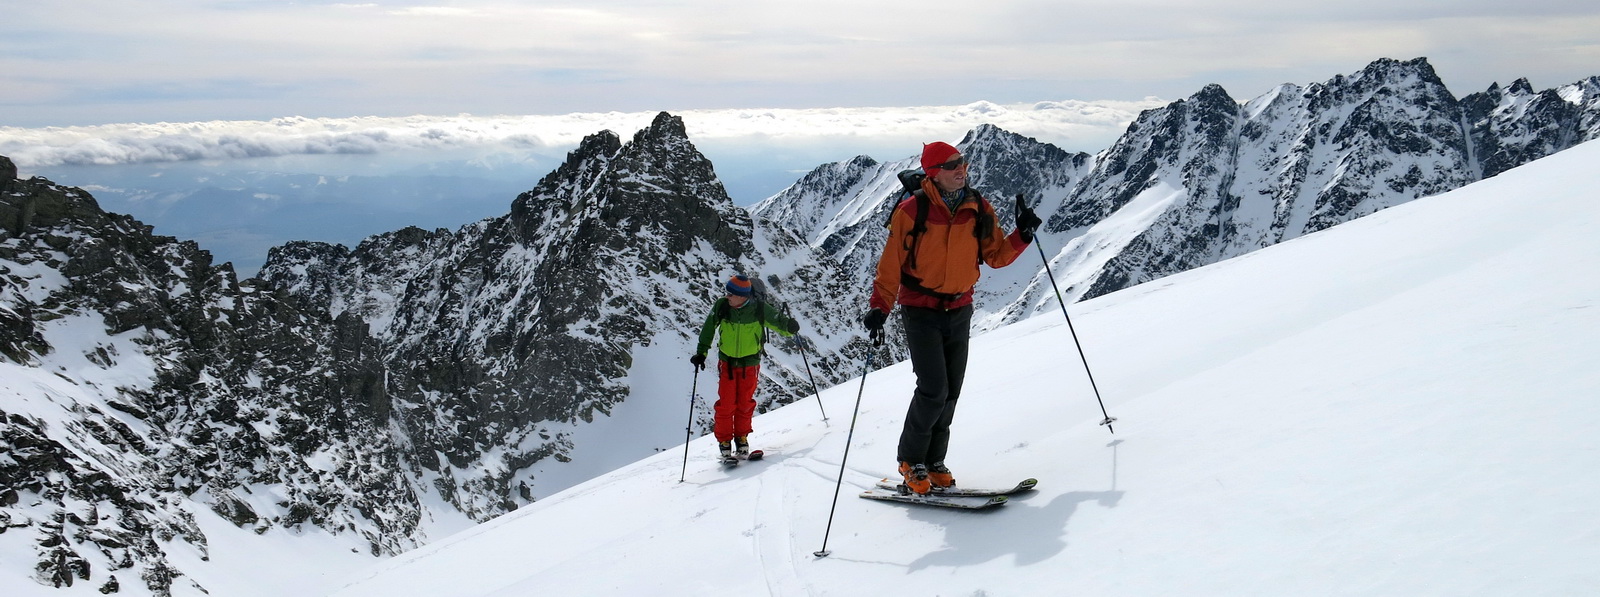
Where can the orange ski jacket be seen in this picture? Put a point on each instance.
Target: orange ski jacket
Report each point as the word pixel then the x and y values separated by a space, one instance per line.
pixel 939 267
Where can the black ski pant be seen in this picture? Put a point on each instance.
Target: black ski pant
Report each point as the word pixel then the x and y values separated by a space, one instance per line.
pixel 937 340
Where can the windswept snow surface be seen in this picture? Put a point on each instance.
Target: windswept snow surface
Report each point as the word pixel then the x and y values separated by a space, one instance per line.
pixel 1403 405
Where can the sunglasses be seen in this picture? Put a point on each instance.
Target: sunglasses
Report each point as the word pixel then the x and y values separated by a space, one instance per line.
pixel 952 164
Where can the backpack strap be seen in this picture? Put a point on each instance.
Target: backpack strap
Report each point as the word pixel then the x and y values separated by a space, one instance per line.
pixel 919 225
pixel 761 321
pixel 984 226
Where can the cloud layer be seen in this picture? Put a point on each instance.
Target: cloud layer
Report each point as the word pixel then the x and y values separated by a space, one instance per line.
pixel 1086 126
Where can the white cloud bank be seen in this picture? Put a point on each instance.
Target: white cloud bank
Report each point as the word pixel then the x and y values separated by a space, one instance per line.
pixel 1076 125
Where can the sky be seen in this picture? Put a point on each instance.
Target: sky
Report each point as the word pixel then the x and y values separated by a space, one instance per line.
pixel 1325 416
pixel 236 80
pixel 92 62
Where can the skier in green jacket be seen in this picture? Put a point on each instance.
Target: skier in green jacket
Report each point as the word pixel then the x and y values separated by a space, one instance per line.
pixel 742 322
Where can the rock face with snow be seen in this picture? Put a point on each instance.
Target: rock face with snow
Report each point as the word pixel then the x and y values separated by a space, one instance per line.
pixel 1216 179
pixel 513 329
pixel 157 380
pixel 1227 178
pixel 512 323
pixel 1208 178
pixel 1515 125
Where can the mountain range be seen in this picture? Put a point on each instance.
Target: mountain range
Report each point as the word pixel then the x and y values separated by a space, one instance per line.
pixel 425 380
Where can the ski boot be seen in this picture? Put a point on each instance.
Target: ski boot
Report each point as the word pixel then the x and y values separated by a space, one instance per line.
pixel 741 447
pixel 939 476
pixel 726 449
pixel 916 479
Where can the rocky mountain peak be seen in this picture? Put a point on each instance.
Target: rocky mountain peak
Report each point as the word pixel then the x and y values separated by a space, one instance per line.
pixel 1213 96
pixel 1591 86
pixel 1586 94
pixel 1389 70
pixel 602 144
pixel 987 134
pixel 1513 125
pixel 664 126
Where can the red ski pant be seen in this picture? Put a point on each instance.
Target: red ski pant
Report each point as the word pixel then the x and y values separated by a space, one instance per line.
pixel 736 400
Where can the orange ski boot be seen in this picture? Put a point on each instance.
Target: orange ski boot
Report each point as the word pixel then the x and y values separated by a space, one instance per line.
pixel 939 476
pixel 916 478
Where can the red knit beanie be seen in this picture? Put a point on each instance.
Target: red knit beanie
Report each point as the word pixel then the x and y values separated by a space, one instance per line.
pixel 936 153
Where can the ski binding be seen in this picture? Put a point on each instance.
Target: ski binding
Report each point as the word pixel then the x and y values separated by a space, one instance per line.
pixel 733 459
pixel 1024 485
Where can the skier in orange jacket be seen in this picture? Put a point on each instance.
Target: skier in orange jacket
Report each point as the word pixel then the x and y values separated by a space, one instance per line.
pixel 929 266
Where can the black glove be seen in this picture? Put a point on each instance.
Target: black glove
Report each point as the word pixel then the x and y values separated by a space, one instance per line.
pixel 1027 221
pixel 794 326
pixel 874 321
pixel 698 360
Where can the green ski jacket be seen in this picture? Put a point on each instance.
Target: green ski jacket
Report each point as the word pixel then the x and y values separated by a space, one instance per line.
pixel 741 330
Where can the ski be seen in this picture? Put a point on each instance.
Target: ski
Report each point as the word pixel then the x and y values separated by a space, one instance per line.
pixel 1025 485
pixel 960 502
pixel 755 455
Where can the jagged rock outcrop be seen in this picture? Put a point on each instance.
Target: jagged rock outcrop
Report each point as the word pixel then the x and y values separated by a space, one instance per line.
pixel 156 380
pixel 514 326
pixel 1515 125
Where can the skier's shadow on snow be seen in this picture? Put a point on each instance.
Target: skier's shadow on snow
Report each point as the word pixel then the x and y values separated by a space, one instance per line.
pixel 978 538
pixel 1015 528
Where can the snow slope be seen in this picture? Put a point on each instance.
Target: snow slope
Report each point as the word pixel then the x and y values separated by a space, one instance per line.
pixel 1402 405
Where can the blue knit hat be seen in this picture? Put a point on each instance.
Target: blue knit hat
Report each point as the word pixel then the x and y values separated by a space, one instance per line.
pixel 739 285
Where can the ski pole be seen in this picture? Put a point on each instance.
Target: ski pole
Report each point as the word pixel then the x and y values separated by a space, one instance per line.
pixel 1108 418
pixel 688 430
pixel 814 389
pixel 801 347
pixel 865 366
